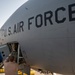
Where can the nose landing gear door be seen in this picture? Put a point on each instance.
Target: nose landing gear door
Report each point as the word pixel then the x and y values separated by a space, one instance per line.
pixel 4 52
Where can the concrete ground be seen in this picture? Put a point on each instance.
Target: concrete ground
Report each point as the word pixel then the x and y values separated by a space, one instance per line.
pixel 2 73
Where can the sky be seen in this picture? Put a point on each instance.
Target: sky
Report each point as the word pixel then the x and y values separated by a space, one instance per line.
pixel 7 8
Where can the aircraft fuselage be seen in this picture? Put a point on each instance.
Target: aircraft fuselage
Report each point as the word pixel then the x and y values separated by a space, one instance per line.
pixel 46 32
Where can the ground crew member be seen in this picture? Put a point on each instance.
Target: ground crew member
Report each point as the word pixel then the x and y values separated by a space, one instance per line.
pixel 10 66
pixel 14 52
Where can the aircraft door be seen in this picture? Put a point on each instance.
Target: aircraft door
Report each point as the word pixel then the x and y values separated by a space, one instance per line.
pixel 4 52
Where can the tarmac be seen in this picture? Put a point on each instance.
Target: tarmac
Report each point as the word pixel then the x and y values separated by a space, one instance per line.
pixel 2 73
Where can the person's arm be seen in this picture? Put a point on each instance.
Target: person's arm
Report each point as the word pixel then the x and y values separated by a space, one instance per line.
pixel 6 60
